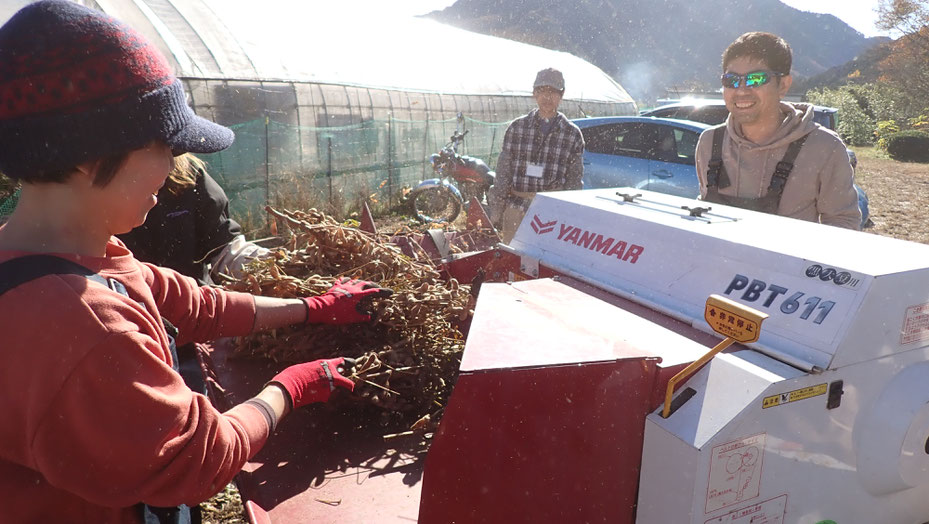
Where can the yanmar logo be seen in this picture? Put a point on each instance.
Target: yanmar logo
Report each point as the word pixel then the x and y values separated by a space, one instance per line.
pixel 591 240
pixel 540 227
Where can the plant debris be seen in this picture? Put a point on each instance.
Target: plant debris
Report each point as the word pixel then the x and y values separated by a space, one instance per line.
pixel 407 358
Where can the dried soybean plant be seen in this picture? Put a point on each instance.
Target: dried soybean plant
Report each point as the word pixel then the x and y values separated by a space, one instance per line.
pixel 407 359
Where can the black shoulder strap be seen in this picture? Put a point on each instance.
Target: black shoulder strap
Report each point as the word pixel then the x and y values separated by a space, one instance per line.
pixel 20 270
pixel 716 172
pixel 786 165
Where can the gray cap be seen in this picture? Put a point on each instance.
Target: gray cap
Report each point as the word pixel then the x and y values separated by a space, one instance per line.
pixel 549 78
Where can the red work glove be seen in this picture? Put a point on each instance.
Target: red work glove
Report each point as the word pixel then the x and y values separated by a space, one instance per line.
pixel 313 381
pixel 343 303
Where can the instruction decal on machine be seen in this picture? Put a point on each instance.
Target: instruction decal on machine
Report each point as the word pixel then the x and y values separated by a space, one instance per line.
pixel 770 511
pixel 793 396
pixel 915 324
pixel 731 319
pixel 735 472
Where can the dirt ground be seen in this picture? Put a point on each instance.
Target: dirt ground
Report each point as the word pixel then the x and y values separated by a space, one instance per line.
pixel 898 193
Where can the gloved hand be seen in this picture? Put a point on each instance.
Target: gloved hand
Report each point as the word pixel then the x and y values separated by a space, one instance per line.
pixel 343 303
pixel 313 381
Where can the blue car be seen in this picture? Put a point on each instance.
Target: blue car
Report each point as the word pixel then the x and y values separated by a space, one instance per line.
pixel 650 153
pixel 656 154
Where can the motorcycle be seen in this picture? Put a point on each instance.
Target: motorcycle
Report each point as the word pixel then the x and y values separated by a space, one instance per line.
pixel 459 179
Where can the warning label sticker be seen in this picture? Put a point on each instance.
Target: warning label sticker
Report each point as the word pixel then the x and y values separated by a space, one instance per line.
pixel 915 324
pixel 735 472
pixel 793 396
pixel 768 512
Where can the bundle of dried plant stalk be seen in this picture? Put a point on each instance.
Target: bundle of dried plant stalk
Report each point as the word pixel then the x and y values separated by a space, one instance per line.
pixel 408 357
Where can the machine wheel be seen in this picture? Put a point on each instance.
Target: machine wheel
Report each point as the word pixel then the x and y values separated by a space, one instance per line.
pixel 435 204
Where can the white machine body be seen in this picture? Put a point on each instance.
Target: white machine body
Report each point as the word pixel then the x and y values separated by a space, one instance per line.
pixel 826 418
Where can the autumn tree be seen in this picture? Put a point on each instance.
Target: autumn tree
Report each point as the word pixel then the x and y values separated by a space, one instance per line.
pixel 906 65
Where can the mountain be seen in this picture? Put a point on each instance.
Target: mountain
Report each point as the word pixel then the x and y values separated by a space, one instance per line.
pixel 648 46
pixel 859 70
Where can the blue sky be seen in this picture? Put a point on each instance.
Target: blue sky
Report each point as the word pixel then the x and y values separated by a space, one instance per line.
pixel 859 14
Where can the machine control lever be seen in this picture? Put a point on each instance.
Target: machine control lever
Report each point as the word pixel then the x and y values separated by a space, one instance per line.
pixel 735 321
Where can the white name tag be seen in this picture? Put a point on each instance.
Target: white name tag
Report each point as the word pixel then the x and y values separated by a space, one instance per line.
pixel 534 170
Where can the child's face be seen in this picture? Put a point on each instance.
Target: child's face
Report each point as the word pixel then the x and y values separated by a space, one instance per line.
pixel 131 194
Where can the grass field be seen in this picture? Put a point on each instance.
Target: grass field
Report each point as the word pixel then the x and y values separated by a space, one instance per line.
pixel 898 194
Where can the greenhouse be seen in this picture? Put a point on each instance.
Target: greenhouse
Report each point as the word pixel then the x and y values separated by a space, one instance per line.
pixel 337 108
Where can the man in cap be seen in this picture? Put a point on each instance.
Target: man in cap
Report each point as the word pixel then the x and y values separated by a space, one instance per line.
pixel 541 152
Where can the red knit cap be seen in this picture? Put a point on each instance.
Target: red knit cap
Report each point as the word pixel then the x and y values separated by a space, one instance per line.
pixel 77 85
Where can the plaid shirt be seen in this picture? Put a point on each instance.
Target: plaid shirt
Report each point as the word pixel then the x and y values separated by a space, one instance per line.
pixel 524 143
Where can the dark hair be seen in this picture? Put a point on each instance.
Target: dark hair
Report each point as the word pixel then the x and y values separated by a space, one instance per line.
pixel 539 88
pixel 106 170
pixel 771 49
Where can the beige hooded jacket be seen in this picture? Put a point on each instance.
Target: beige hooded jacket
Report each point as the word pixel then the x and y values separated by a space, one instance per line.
pixel 820 187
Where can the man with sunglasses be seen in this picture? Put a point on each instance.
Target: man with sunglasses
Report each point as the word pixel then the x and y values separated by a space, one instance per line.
pixel 770 155
pixel 541 152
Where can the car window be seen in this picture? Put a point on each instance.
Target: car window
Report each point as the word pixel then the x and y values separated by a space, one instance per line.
pixel 663 143
pixel 711 114
pixel 824 119
pixel 686 145
pixel 670 144
pixel 617 139
pixel 669 112
pixel 599 139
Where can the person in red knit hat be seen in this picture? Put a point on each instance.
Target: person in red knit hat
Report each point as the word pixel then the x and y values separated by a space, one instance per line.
pixel 98 425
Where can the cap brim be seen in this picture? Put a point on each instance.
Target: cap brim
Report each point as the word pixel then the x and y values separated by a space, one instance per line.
pixel 201 136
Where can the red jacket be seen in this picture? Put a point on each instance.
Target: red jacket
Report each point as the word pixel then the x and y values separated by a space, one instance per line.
pixel 95 419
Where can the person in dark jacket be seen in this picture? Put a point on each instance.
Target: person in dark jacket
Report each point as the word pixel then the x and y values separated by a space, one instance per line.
pixel 190 230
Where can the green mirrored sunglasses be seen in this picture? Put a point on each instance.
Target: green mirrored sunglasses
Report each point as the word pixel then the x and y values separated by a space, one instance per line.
pixel 753 79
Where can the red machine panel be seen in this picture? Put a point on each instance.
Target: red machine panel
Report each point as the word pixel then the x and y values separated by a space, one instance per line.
pixel 545 423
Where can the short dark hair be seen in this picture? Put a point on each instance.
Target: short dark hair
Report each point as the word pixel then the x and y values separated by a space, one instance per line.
pixel 106 170
pixel 771 49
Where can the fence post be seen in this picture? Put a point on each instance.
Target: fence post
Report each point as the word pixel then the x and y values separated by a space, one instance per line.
pixel 425 146
pixel 390 161
pixel 329 165
pixel 493 140
pixel 267 160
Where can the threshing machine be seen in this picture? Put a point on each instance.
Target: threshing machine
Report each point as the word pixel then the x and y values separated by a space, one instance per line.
pixel 584 319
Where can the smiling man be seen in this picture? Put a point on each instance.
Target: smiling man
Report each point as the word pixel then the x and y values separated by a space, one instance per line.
pixel 541 152
pixel 770 155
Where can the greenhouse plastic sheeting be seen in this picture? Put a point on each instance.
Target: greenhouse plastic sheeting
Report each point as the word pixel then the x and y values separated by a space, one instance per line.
pixel 375 160
pixel 314 42
pixel 341 108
